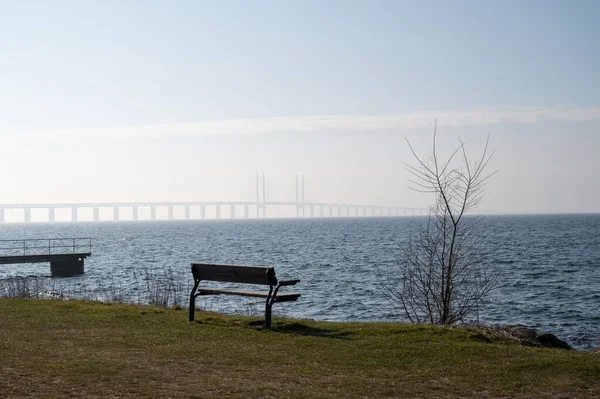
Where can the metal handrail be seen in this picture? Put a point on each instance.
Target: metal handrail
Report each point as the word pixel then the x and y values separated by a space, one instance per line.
pixel 26 245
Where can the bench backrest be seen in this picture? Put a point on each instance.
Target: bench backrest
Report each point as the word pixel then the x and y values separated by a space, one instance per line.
pixel 235 273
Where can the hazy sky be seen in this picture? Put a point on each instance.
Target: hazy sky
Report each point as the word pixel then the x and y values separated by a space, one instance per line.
pixel 186 100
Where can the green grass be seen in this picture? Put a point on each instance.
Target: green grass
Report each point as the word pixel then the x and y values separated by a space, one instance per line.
pixel 52 348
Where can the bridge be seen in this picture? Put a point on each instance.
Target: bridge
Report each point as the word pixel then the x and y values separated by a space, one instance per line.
pixel 237 209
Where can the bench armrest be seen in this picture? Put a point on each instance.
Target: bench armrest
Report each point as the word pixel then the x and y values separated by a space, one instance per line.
pixel 288 282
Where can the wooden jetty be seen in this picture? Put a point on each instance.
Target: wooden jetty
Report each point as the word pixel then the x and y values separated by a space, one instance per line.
pixel 65 255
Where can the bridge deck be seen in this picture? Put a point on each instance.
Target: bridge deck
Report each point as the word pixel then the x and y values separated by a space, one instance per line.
pixel 39 258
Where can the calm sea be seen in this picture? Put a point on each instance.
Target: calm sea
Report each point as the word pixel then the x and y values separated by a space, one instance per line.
pixel 550 264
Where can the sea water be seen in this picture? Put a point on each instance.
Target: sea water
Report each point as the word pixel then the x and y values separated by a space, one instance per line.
pixel 549 264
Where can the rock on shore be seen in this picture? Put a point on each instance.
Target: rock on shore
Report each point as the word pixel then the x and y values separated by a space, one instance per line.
pixel 525 336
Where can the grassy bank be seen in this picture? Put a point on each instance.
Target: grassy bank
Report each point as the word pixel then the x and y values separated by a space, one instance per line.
pixel 53 348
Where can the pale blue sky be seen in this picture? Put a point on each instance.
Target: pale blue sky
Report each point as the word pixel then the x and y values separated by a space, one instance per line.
pixel 185 100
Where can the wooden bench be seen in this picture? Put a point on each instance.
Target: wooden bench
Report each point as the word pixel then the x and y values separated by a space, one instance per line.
pixel 262 275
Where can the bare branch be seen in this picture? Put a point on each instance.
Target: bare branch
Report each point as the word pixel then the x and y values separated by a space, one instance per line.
pixel 442 278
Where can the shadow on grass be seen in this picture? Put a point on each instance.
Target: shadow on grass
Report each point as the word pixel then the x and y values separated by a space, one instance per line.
pixel 284 327
pixel 304 329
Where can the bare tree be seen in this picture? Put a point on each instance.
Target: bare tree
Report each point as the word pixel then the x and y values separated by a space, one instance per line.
pixel 443 277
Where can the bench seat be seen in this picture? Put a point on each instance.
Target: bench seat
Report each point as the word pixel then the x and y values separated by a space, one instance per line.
pixel 259 294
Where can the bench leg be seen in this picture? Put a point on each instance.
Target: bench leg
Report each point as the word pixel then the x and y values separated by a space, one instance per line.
pixel 268 316
pixel 192 308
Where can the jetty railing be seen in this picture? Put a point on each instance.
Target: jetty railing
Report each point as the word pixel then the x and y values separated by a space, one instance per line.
pixel 45 246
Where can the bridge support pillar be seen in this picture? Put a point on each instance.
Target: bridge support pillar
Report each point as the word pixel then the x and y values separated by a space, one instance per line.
pixel 232 216
pixel 135 212
pixel 312 211
pixel 187 212
pixel 67 268
pixel 115 213
pixel 74 214
pixel 170 212
pixel 218 211
pixel 153 212
pixel 51 216
pixel 96 214
pixel 202 211
pixel 339 211
pixel 27 215
pixel 321 211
